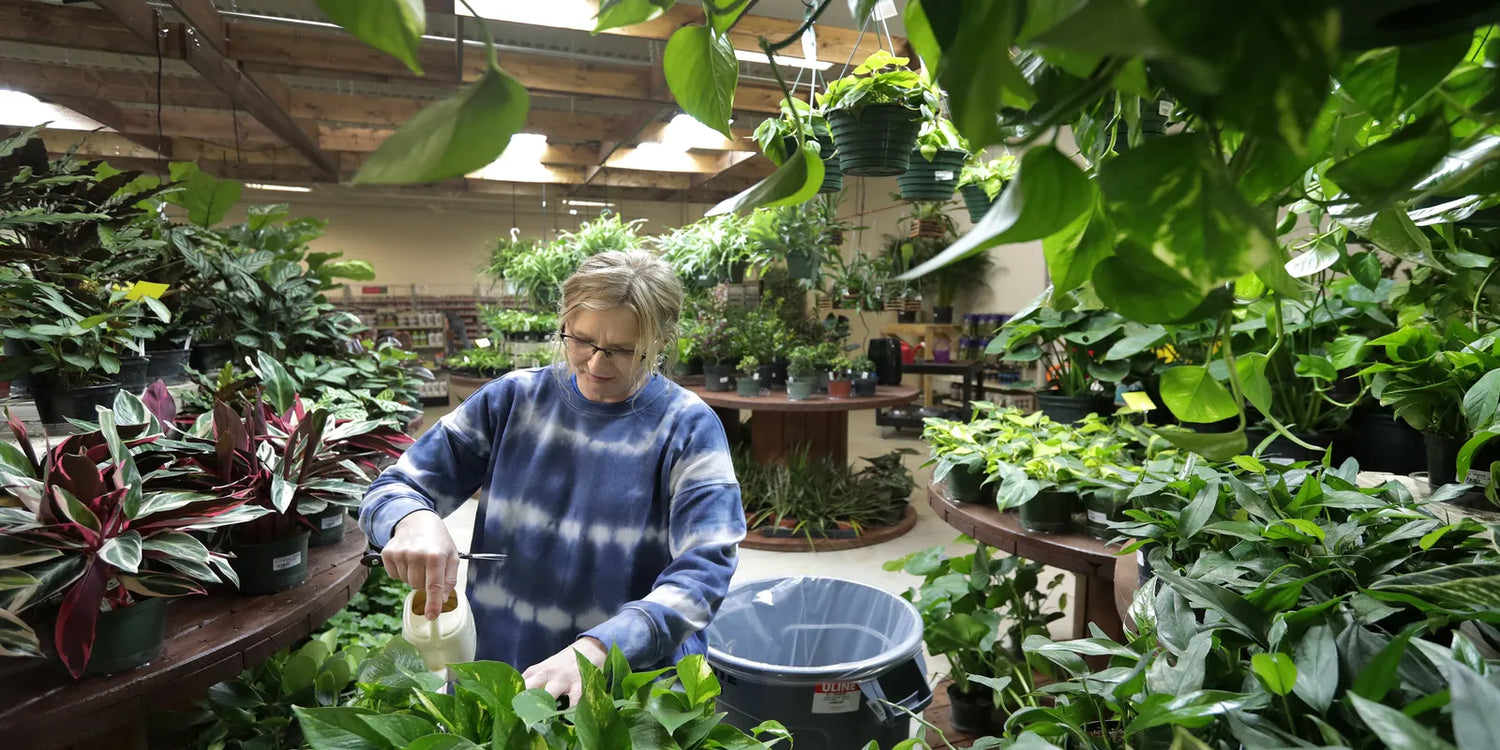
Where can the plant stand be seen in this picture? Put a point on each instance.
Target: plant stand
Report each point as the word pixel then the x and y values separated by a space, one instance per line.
pixel 821 424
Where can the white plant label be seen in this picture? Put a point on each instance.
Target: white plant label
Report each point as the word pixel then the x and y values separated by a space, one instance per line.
pixel 1164 108
pixel 1477 477
pixel 810 45
pixel 835 698
pixel 482 343
pixel 943 175
pixel 332 522
pixel 884 9
pixel 1098 516
pixel 724 379
pixel 286 561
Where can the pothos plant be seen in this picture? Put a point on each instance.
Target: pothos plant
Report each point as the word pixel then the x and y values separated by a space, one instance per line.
pixel 1070 335
pixel 990 176
pixel 798 122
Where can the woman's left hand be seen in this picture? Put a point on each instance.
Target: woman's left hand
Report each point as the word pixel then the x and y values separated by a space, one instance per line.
pixel 558 674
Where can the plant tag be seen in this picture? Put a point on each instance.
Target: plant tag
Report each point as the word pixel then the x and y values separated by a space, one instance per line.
pixel 723 378
pixel 1097 516
pixel 810 45
pixel 1477 477
pixel 332 522
pixel 835 698
pixel 1164 108
pixel 1139 401
pixel 482 343
pixel 884 9
pixel 286 561
pixel 146 289
pixel 943 175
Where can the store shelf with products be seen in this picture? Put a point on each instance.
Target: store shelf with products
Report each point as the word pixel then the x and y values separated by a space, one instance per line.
pixel 386 301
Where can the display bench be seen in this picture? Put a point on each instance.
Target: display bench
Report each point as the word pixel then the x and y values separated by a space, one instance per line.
pixel 209 639
pixel 780 426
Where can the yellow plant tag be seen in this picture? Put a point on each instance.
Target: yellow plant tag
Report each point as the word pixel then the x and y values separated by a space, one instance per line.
pixel 1139 401
pixel 146 289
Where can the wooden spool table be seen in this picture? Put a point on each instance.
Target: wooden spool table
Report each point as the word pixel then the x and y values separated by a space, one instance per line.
pixel 1092 562
pixel 820 423
pixel 209 639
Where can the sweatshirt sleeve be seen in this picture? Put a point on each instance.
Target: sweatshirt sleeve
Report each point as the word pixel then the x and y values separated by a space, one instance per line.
pixel 705 526
pixel 439 471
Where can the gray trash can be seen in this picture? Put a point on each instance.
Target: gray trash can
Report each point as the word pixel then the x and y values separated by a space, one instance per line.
pixel 819 655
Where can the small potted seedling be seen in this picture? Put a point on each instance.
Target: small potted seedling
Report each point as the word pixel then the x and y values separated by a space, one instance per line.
pixel 862 373
pixel 802 373
pixel 839 382
pixel 748 376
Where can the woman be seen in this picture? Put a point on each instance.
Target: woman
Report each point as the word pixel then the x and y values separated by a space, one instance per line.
pixel 609 486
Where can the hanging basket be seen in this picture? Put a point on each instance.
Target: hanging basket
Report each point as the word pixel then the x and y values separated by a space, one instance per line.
pixel 878 141
pixel 977 201
pixel 933 180
pixel 927 228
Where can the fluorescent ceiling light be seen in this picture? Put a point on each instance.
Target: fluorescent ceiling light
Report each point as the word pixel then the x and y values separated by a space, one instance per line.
pixel 603 204
pixel 281 188
pixel 22 110
pixel 783 60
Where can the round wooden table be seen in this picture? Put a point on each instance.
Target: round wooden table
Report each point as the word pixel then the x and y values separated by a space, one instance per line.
pixel 820 423
pixel 209 639
pixel 1091 561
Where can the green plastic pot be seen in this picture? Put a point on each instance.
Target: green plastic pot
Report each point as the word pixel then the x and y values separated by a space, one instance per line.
pixel 977 201
pixel 799 390
pixel 876 142
pixel 129 637
pixel 1099 507
pixel 933 180
pixel 328 527
pixel 802 265
pixel 966 485
pixel 271 567
pixel 1048 512
pixel 747 387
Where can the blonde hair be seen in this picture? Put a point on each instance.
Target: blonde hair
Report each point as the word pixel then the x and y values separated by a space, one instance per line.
pixel 639 282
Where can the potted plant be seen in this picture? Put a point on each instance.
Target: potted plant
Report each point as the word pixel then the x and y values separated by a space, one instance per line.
pixel 802 373
pixel 959 453
pixel 1042 465
pixel 933 170
pixel 1068 336
pixel 839 383
pixel 747 376
pixel 779 137
pixel 862 372
pixel 978 610
pixel 107 537
pixel 980 182
pixel 796 233
pixel 875 114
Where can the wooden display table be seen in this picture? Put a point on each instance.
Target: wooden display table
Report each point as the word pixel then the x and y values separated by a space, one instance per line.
pixel 209 639
pixel 820 423
pixel 1091 561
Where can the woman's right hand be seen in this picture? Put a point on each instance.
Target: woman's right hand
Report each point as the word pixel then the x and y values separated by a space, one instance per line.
pixel 422 554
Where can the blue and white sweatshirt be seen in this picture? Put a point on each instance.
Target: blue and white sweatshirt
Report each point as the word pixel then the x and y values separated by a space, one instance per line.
pixel 622 521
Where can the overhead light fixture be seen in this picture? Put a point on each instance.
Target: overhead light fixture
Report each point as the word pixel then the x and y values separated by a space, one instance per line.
pixel 22 110
pixel 572 212
pixel 561 14
pixel 278 188
pixel 756 56
pixel 601 204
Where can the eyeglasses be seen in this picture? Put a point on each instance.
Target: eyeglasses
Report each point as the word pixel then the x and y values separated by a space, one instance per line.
pixel 577 347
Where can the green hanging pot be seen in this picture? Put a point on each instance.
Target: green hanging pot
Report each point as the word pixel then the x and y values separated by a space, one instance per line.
pixel 271 567
pixel 876 142
pixel 934 179
pixel 977 201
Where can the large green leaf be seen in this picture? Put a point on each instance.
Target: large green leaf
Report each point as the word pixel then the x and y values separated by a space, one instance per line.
pixel 1466 588
pixel 1251 369
pixel 1237 612
pixel 123 552
pixel 616 14
pixel 339 729
pixel 1047 195
pixel 1193 395
pixel 1388 80
pixel 279 387
pixel 697 679
pixel 394 27
pixel 1217 446
pixel 207 200
pixel 353 270
pixel 1397 730
pixel 1105 27
pixel 1381 174
pixel 1320 258
pixel 456 136
pixel 795 182
pixel 702 72
pixel 1073 253
pixel 1276 671
pixel 1482 401
pixel 1139 286
pixel 920 35
pixel 978 72
pixel 1317 659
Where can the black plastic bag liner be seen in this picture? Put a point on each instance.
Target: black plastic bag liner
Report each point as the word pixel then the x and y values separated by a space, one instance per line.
pixel 806 629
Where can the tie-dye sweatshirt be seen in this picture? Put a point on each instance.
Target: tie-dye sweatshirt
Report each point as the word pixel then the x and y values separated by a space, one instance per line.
pixel 622 521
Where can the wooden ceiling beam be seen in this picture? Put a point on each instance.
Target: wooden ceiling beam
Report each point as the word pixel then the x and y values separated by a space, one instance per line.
pixel 203 23
pixel 84 28
pixel 117 118
pixel 43 80
pixel 257 96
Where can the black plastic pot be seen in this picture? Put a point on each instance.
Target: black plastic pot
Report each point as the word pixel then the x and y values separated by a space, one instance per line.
pixel 167 365
pixel 718 378
pixel 977 201
pixel 768 377
pixel 1068 409
pixel 55 403
pixel 328 527
pixel 877 141
pixel 128 637
pixel 1442 458
pixel 966 485
pixel 906 316
pixel 975 713
pixel 271 567
pixel 1280 447
pixel 865 386
pixel 934 180
pixel 1048 512
pixel 132 375
pixel 1100 507
pixel 1381 442
pixel 802 265
pixel 211 355
pixel 942 315
pixel 885 352
pixel 778 374
pixel 737 272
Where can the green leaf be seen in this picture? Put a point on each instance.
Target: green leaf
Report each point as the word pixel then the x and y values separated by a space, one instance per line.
pixel 1379 675
pixel 697 679
pixel 1475 706
pixel 1194 396
pixel 394 27
pixel 1216 446
pixel 400 729
pixel 1276 671
pixel 1317 659
pixel 920 35
pixel 207 200
pixel 1048 194
pixel 453 137
pixel 1397 730
pixel 617 14
pixel 1367 270
pixel 1073 253
pixel 1105 27
pixel 1139 286
pixel 354 270
pixel 280 390
pixel 123 551
pixel 339 729
pixel 1463 588
pixel 795 182
pixel 980 76
pixel 1314 367
pixel 1482 400
pixel 1238 613
pixel 535 707
pixel 702 73
pixel 1379 175
pixel 442 742
pixel 1320 258
pixel 1199 510
pixel 1251 369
